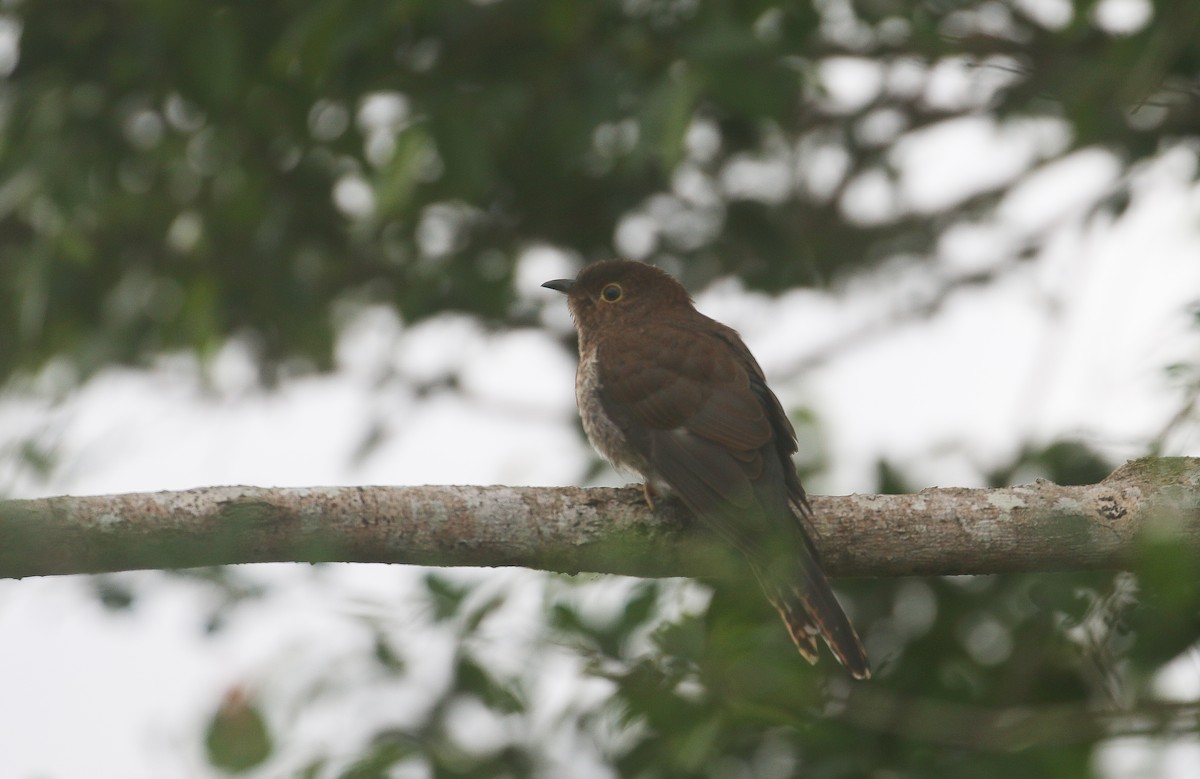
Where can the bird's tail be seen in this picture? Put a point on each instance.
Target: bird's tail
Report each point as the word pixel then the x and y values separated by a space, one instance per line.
pixel 810 609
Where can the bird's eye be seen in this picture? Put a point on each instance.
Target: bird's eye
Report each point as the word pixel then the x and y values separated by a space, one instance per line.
pixel 611 293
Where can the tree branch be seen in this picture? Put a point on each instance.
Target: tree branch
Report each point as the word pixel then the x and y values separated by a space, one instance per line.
pixel 1032 527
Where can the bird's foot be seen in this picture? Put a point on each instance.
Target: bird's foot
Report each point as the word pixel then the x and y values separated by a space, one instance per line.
pixel 648 494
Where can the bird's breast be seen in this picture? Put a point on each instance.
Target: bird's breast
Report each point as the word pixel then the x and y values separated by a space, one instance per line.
pixel 605 436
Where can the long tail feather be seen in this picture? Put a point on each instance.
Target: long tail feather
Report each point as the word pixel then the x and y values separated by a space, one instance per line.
pixel 810 609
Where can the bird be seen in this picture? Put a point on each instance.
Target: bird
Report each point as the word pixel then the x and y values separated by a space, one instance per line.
pixel 676 397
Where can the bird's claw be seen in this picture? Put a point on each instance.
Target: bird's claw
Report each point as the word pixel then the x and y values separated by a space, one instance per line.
pixel 648 494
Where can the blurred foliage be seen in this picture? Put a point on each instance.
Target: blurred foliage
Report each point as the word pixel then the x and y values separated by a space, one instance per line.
pixel 1062 462
pixel 177 174
pixel 173 175
pixel 238 738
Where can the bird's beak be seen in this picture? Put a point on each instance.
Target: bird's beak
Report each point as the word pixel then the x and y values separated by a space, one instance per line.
pixel 560 285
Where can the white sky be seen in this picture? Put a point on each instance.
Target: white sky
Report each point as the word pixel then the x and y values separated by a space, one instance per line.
pixel 1073 343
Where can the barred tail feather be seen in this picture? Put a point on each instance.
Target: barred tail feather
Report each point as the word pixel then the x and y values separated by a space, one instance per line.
pixel 810 609
pixel 799 627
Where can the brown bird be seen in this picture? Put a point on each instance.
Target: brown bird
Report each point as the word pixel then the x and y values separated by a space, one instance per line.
pixel 676 397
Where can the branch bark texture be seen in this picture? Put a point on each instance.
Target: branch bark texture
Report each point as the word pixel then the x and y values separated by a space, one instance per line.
pixel 1032 527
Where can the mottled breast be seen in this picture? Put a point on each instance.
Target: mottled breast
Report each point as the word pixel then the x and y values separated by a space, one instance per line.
pixel 606 437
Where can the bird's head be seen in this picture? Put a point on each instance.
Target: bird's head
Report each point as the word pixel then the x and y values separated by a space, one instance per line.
pixel 620 290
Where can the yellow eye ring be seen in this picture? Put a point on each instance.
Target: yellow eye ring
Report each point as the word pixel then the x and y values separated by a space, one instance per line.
pixel 612 293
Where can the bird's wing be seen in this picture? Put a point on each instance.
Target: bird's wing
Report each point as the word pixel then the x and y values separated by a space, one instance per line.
pixel 784 433
pixel 683 376
pixel 690 405
pixel 695 405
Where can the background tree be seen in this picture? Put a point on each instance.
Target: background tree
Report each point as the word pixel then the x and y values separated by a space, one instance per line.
pixel 177 178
